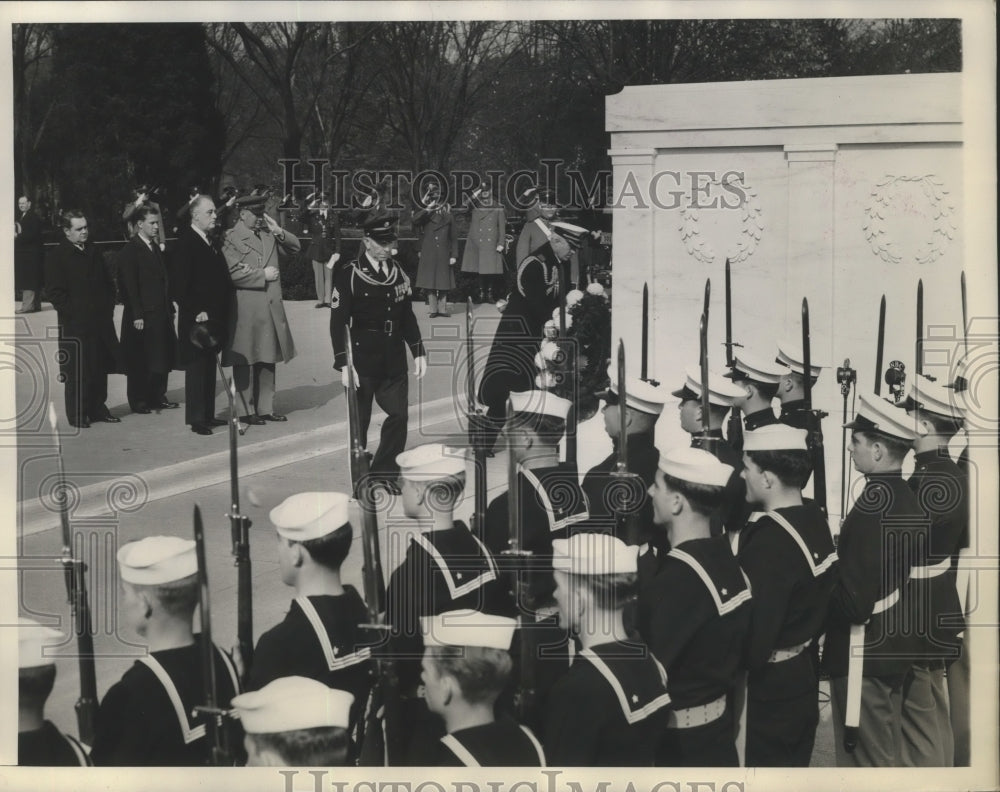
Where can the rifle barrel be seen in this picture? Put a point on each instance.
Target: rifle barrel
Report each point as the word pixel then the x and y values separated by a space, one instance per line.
pixel 919 366
pixel 880 347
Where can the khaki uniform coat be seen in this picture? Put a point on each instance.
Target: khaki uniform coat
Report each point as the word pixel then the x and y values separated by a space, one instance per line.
pixel 258 327
pixel 487 228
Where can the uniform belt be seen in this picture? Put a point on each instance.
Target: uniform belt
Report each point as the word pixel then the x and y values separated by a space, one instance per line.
pixel 780 655
pixel 932 570
pixel 696 716
pixel 856 663
pixel 387 327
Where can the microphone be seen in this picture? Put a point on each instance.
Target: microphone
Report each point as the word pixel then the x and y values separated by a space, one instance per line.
pixel 895 378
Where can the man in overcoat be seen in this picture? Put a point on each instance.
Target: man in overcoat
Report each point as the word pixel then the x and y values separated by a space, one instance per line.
pixel 259 333
pixel 28 257
pixel 484 247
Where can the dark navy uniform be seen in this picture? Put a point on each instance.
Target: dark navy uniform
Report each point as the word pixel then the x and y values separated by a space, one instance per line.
pixel 380 314
pixel 794 413
pixel 755 420
pixel 145 718
pixel 49 747
pixel 696 618
pixel 875 553
pixel 788 555
pixel 609 709
pixel 642 460
pixel 733 513
pixel 319 638
pixel 502 743
pixel 324 233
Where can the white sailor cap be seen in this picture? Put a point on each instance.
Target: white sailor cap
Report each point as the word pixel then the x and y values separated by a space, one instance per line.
pixel 540 402
pixel 639 394
pixel 790 355
pixel 468 627
pixel 34 642
pixel 927 395
pixel 292 703
pixel 720 390
pixel 880 415
pixel 752 367
pixel 775 437
pixel 594 554
pixel 430 462
pixel 310 515
pixel 696 466
pixel 157 559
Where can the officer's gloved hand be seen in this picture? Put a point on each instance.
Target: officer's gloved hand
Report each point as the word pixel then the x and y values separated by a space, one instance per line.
pixel 343 376
pixel 333 260
pixel 420 366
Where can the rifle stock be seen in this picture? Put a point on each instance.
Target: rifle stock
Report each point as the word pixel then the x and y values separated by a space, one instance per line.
pixel 74 570
pixel 476 429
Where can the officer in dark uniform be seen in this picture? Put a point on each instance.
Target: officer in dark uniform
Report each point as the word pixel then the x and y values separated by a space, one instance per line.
pixel 870 607
pixel 788 555
pixel 942 491
pixel 372 295
pixel 791 387
pixel 445 568
pixel 759 379
pixel 295 722
pixel 323 227
pixel 319 637
pixel 721 393
pixel 608 710
pixel 465 666
pixel 146 717
pixel 696 616
pixel 39 742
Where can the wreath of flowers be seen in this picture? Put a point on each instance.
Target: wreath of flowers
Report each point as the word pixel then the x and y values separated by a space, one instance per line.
pixel 877 211
pixel 750 233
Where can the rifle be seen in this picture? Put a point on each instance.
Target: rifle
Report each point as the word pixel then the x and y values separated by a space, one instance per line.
pixel 476 428
pixel 239 525
pixel 644 359
pixel 919 363
pixel 630 486
pixel 703 365
pixel 374 732
pixel 880 347
pixel 846 377
pixel 814 417
pixel 215 729
pixel 961 383
pixel 570 363
pixel 734 431
pixel 75 571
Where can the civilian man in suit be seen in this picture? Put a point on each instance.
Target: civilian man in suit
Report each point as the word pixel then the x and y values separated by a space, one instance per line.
pixel 82 289
pixel 148 338
pixel 204 293
pixel 28 257
pixel 143 198
pixel 259 333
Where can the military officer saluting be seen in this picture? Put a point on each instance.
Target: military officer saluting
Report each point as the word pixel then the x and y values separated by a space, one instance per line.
pixel 791 386
pixel 372 296
pixel 759 379
pixel 39 742
pixel 787 553
pixel 696 614
pixel 295 722
pixel 609 708
pixel 465 666
pixel 146 717
pixel 319 637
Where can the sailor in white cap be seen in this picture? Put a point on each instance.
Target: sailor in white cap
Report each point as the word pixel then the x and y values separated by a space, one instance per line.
pixel 608 710
pixel 941 488
pixel 787 553
pixel 722 394
pixel 643 408
pixel 695 615
pixel 465 666
pixel 39 742
pixel 759 379
pixel 446 568
pixel 791 387
pixel 295 722
pixel 146 717
pixel 867 653
pixel 319 637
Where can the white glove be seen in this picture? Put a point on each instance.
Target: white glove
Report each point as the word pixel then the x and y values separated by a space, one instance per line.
pixel 343 375
pixel 333 260
pixel 420 366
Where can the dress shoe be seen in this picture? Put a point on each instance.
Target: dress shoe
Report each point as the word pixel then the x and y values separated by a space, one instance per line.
pixel 274 417
pixel 201 429
pixel 105 418
pixel 252 420
pixel 215 422
pixel 141 409
pixel 166 405
pixel 80 423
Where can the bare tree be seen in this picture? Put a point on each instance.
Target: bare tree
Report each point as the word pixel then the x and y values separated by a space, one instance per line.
pixel 32 51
